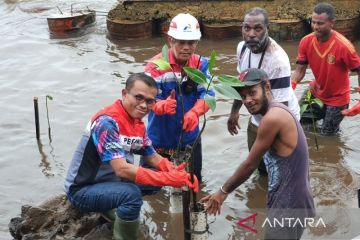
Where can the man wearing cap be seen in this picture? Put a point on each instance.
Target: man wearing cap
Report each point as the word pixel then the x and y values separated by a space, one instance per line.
pixel 258 50
pixel 174 119
pixel 282 143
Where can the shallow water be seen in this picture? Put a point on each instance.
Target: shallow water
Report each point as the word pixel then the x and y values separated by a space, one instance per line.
pixel 83 74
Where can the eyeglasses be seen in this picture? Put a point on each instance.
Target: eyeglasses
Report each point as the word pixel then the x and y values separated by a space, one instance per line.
pixel 141 99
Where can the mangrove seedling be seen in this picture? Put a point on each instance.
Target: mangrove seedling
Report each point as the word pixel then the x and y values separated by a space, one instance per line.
pixel 47 115
pixel 309 101
pixel 225 86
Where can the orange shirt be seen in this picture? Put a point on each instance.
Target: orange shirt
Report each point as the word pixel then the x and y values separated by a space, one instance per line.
pixel 330 63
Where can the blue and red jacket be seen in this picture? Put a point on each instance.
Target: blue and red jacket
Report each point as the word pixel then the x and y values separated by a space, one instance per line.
pixel 111 133
pixel 164 130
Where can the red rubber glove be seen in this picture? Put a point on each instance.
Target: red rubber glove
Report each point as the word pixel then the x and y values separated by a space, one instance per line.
pixel 191 118
pixel 174 178
pixel 167 106
pixel 352 111
pixel 293 84
pixel 166 166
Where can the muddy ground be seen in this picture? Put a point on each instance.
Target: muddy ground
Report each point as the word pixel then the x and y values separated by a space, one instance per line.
pixel 224 11
pixel 57 219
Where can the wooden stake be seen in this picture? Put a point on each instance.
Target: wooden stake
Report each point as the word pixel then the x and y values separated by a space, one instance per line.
pixel 37 124
pixel 186 214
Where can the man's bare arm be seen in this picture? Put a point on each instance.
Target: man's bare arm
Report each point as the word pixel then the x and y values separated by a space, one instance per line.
pixel 235 108
pixel 153 160
pixel 267 132
pixel 233 120
pixel 127 170
pixel 123 169
pixel 299 73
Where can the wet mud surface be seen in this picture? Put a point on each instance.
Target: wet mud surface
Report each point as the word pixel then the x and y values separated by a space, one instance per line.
pixel 225 11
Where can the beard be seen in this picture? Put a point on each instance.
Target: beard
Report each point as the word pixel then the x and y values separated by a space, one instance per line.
pixel 258 46
pixel 264 104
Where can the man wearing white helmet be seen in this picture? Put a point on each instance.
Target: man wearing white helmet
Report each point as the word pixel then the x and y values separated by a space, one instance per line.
pixel 167 127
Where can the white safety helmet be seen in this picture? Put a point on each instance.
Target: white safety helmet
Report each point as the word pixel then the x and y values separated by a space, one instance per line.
pixel 184 26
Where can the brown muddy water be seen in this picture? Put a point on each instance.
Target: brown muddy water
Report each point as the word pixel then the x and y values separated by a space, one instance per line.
pixel 83 74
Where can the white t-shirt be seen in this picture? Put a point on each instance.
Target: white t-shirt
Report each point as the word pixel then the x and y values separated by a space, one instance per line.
pixel 277 65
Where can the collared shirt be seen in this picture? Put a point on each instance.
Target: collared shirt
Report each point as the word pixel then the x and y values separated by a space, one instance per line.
pixel 330 63
pixel 164 130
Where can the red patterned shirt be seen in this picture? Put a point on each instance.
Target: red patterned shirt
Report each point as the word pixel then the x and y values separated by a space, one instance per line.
pixel 330 63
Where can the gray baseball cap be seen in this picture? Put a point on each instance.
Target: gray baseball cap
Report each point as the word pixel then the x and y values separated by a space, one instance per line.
pixel 253 76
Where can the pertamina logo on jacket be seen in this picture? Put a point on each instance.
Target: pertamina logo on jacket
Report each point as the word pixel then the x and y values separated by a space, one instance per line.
pixel 131 143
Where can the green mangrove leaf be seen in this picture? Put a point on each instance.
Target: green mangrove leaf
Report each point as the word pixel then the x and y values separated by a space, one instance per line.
pixel 165 53
pixel 49 97
pixel 318 102
pixel 303 108
pixel 211 102
pixel 212 61
pixel 227 91
pixel 161 64
pixel 196 75
pixel 308 96
pixel 230 80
